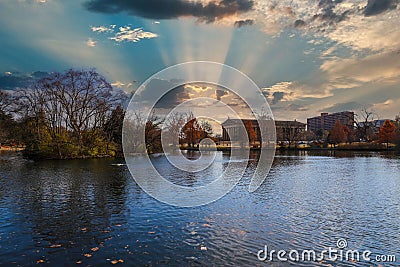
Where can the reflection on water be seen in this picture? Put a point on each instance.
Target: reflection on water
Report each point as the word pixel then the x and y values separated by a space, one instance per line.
pixel 91 212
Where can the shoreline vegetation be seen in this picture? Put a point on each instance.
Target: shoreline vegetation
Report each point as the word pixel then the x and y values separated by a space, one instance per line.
pixel 308 148
pixel 77 114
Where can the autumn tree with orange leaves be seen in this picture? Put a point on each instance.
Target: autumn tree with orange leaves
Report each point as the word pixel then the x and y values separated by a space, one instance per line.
pixel 338 134
pixel 192 132
pixel 251 133
pixel 387 133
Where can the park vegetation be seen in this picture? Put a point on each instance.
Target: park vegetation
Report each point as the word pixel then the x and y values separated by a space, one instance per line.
pixel 180 129
pixel 77 114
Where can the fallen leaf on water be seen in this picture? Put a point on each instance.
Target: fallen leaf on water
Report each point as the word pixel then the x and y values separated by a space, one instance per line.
pixel 116 261
pixel 206 225
pixel 87 255
pixel 39 261
pixel 78 262
pixel 152 233
pixel 208 219
pixel 94 249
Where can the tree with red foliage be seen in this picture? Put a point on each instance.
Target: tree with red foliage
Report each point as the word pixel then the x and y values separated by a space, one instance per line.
pixel 337 134
pixel 350 134
pixel 387 133
pixel 192 131
pixel 251 133
pixel 397 134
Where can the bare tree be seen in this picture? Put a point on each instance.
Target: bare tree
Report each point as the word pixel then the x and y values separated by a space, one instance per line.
pixel 366 122
pixel 73 106
pixel 172 128
pixel 5 101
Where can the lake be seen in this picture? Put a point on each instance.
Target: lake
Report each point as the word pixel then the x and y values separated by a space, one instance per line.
pixel 91 212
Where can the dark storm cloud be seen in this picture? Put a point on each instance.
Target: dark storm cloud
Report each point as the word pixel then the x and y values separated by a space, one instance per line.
pixel 170 9
pixel 328 14
pixel 299 23
pixel 19 80
pixel 10 82
pixel 39 74
pixel 171 99
pixel 220 93
pixel 276 97
pixel 375 7
pixel 241 23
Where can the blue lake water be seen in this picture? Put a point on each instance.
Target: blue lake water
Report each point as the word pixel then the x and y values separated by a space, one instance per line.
pixel 92 213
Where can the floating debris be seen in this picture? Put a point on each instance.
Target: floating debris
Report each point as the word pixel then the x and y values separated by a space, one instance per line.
pixel 117 261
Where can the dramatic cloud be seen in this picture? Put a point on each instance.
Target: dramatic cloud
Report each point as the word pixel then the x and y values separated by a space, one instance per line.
pixel 122 34
pixel 375 7
pixel 299 23
pixel 162 9
pixel 387 106
pixel 11 81
pixel 220 93
pixel 132 35
pixel 280 92
pixel 374 33
pixel 383 67
pixel 170 99
pixel 241 23
pixel 102 28
pixel 327 13
pixel 276 97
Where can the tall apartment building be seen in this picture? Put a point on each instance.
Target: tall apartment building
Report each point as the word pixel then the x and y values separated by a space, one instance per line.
pixel 327 121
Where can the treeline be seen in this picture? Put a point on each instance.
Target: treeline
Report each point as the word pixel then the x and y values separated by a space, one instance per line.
pixel 368 132
pixel 180 129
pixel 387 133
pixel 75 114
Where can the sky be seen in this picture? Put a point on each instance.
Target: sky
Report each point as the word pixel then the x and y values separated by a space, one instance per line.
pixel 308 56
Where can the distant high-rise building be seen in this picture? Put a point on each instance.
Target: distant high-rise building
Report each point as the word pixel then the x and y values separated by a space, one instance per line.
pixel 327 121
